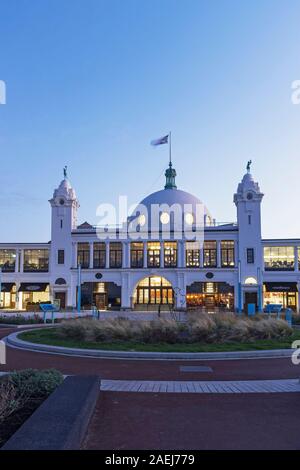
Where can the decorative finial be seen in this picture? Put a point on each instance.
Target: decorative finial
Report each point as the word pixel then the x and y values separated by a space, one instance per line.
pixel 249 165
pixel 65 171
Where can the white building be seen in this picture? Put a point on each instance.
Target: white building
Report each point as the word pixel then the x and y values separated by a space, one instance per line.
pixel 233 267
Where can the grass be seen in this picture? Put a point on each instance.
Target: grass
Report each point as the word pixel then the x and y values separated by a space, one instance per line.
pixel 50 336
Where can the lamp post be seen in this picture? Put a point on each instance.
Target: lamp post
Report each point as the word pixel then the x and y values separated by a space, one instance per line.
pixel 79 288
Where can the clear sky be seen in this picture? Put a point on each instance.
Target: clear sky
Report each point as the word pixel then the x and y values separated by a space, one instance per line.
pixel 91 82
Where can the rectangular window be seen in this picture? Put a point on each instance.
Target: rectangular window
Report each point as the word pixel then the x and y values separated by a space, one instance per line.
pixel 153 254
pixel 36 261
pixel 249 219
pixel 83 255
pixel 8 260
pixel 170 254
pixel 137 255
pixel 60 256
pixel 210 254
pixel 99 257
pixel 192 254
pixel 115 255
pixel 227 253
pixel 279 258
pixel 250 255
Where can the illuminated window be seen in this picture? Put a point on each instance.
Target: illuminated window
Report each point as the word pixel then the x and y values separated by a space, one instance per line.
pixel 279 258
pixel 165 218
pixel 210 254
pixel 115 255
pixel 36 261
pixel 170 254
pixel 142 220
pixel 83 255
pixel 153 254
pixel 227 253
pixel 136 255
pixel 99 255
pixel 250 280
pixel 154 290
pixel 189 219
pixel 8 260
pixel 192 254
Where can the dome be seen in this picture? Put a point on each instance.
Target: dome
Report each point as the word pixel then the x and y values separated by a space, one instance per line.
pixel 170 206
pixel 170 197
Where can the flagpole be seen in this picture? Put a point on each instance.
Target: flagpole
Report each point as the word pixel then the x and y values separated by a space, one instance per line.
pixel 170 148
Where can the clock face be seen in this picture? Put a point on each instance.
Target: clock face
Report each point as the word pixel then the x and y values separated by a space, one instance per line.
pixel 249 196
pixel 61 201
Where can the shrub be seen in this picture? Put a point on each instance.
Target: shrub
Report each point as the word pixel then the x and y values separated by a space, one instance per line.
pixel 36 384
pixel 26 387
pixel 217 328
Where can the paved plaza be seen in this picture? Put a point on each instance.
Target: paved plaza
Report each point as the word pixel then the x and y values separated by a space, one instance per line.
pixel 212 404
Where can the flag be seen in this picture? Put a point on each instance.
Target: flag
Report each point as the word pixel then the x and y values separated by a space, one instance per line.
pixel 162 140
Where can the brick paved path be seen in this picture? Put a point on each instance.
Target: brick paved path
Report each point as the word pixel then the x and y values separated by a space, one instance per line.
pixel 247 386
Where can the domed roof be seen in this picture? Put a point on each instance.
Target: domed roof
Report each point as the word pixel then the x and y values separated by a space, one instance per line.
pixel 170 197
pixel 179 205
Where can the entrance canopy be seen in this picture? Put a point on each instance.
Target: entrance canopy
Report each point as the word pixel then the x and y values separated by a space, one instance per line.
pixel 33 286
pixel 6 286
pixel 281 286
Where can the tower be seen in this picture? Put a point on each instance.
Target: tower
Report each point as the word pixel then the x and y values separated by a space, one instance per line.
pixel 250 256
pixel 64 207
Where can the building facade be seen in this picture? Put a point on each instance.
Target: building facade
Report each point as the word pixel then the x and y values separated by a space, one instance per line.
pixel 206 266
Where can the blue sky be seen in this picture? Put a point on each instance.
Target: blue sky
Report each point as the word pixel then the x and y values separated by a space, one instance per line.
pixel 91 82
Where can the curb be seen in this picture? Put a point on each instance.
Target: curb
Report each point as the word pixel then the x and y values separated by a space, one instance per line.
pixel 60 423
pixel 14 341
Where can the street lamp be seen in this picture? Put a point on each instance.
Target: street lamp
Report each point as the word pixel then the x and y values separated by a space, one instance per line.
pixel 79 288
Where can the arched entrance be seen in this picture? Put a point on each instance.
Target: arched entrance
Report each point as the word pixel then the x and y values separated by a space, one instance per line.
pixel 153 291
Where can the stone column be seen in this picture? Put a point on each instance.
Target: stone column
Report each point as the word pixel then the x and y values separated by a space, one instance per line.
pixel 145 253
pixel 74 254
pixel 91 255
pixel 107 254
pixel 17 261
pixel 125 294
pixel 124 254
pixel 180 254
pixel 218 254
pixel 22 261
pixel 162 254
pixel 202 256
pixel 181 291
pixel 19 297
pixel 296 259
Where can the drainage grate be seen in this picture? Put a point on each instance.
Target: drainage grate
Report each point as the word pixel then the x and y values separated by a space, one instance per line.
pixel 195 369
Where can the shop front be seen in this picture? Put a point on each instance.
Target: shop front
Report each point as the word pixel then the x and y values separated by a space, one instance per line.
pixel 8 295
pixel 103 295
pixel 152 292
pixel 31 294
pixel 210 296
pixel 284 293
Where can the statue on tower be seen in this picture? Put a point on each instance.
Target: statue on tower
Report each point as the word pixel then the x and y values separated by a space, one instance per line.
pixel 249 165
pixel 65 171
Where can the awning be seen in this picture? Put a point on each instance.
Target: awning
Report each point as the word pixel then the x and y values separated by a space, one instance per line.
pixel 6 286
pixel 33 286
pixel 281 286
